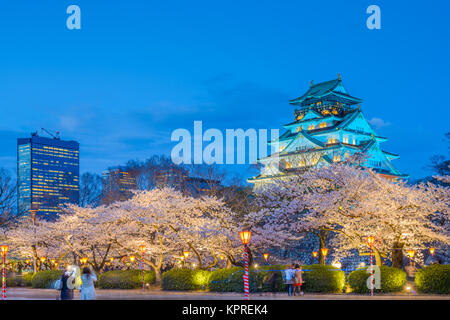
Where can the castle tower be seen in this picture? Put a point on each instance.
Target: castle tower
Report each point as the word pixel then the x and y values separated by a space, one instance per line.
pixel 329 127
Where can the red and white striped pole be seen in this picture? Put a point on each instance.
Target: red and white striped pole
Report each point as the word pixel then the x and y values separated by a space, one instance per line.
pixel 245 238
pixel 3 278
pixel 246 289
pixel 4 251
pixel 371 272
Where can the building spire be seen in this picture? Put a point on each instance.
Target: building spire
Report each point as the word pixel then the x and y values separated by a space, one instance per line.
pixel 311 84
pixel 339 76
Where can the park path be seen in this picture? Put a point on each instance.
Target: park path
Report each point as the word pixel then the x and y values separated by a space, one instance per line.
pixel 50 294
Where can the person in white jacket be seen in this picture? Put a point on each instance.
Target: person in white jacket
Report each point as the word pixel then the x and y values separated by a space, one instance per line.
pixel 87 284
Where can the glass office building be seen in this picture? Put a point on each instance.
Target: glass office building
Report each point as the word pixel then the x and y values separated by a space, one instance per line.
pixel 48 175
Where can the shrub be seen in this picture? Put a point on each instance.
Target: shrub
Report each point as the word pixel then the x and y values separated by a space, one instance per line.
pixel 185 279
pixel 316 279
pixel 14 281
pixel 124 279
pixel 434 279
pixel 45 279
pixel 392 280
pixel 220 280
pixel 320 278
pixel 26 279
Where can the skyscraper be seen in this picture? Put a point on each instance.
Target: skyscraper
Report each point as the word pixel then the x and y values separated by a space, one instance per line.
pixel 48 175
pixel 117 184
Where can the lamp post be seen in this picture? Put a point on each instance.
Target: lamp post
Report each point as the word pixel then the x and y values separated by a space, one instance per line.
pixel 370 242
pixel 324 252
pixel 266 256
pixel 432 250
pixel 314 253
pixel 143 272
pixel 411 254
pixel 245 238
pixel 4 250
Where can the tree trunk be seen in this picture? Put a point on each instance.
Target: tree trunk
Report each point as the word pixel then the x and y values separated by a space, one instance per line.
pixel 397 255
pixel 377 256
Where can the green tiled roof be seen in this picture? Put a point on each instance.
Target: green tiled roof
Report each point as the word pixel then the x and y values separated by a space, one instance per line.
pixel 323 89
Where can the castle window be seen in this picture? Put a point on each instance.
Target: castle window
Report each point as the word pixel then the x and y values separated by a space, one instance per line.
pixel 347 155
pixel 354 141
pixel 345 139
pixel 325 112
pixel 288 165
pixel 302 163
pixel 322 125
pixel 336 158
pixel 282 148
pixel 331 140
pixel 311 127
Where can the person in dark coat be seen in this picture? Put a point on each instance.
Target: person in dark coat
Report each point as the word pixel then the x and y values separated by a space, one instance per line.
pixel 66 292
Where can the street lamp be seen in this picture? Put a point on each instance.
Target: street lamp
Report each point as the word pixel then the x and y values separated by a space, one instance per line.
pixel 42 259
pixel 143 272
pixel 245 238
pixel 186 254
pixel 83 260
pixel 324 254
pixel 132 258
pixel 411 253
pixel 370 243
pixel 4 250
pixel 432 250
pixel 266 256
pixel 314 253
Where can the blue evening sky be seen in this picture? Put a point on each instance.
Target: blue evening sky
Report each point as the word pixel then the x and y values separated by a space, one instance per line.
pixel 137 70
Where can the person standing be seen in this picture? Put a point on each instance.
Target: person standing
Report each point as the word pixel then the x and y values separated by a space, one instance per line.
pixel 289 278
pixel 65 287
pixel 87 284
pixel 298 279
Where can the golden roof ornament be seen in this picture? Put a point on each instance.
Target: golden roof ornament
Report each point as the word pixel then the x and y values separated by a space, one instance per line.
pixel 311 84
pixel 339 76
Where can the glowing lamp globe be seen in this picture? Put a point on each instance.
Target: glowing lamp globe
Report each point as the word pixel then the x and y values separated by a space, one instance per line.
pixel 370 241
pixel 266 256
pixel 411 253
pixel 221 257
pixel 432 250
pixel 186 254
pixel 142 248
pixel 245 236
pixel 314 253
pixel 324 251
pixel 132 258
pixel 43 259
pixel 111 259
pixel 4 249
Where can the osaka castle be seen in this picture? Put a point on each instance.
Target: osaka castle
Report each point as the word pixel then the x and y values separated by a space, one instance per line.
pixel 329 126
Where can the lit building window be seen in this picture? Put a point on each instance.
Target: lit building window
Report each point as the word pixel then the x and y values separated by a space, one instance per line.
pixel 354 141
pixel 288 165
pixel 311 127
pixel 302 163
pixel 322 125
pixel 331 140
pixel 345 139
pixel 336 158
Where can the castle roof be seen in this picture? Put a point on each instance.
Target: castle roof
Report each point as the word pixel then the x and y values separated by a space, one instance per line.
pixel 333 90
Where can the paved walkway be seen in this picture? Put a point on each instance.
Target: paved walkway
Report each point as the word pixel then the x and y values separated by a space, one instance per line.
pixel 50 294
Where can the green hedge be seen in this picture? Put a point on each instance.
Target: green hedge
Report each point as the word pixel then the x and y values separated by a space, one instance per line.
pixel 323 279
pixel 316 279
pixel 23 280
pixel 185 279
pixel 433 279
pixel 392 280
pixel 45 279
pixel 124 279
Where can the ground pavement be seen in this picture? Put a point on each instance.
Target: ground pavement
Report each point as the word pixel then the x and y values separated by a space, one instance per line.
pixel 155 294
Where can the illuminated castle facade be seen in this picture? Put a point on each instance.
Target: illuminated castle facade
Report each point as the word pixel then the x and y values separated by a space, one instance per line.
pixel 329 127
